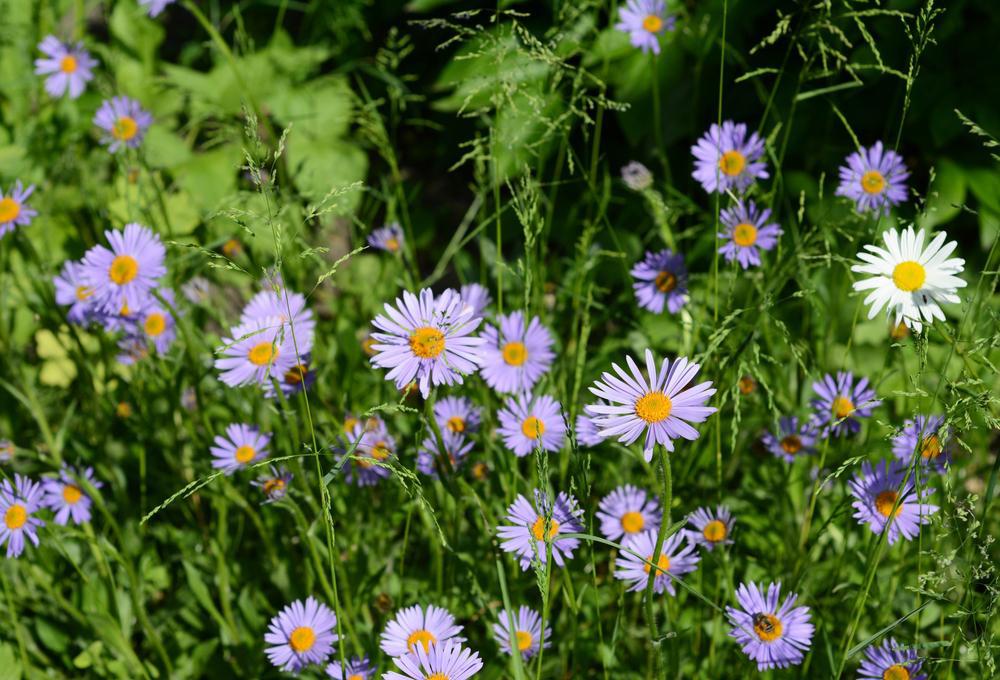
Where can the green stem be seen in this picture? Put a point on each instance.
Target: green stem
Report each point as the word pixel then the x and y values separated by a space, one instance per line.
pixel 667 485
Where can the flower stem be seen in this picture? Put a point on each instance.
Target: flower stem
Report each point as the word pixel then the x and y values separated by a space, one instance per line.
pixel 667 484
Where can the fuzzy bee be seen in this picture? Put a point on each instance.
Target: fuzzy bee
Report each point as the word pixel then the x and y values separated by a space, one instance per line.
pixel 762 623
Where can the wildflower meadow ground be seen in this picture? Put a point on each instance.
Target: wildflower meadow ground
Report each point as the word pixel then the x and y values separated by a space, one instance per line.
pixel 436 340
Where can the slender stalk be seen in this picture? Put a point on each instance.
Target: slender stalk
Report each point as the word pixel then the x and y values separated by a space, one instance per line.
pixel 667 487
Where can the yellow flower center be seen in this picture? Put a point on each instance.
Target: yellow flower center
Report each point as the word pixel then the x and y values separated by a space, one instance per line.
pixel 71 494
pixel 262 354
pixel 873 182
pixel 715 531
pixel 653 407
pixel 427 342
pixel 273 485
pixel 123 410
pixel 791 444
pixel 633 522
pixel 9 210
pixel 245 453
pixel 538 529
pixel 896 672
pixel 767 627
pixel 68 64
pixel 349 423
pixel 524 640
pixel 355 676
pixel 909 276
pixel 15 517
pixel 381 451
pixel 123 269
pixel 424 637
pixel 744 234
pixel 515 353
pixel 302 639
pixel 456 424
pixel 368 345
pixel 125 128
pixel 83 292
pixel 479 471
pixel 842 407
pixel 884 502
pixel 392 244
pixel 747 385
pixel 124 310
pixel 930 447
pixel 438 676
pixel 296 374
pixel 653 23
pixel 665 282
pixel 662 565
pixel 155 324
pixel 732 163
pixel 532 427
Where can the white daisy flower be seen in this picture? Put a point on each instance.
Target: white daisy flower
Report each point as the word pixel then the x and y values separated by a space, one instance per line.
pixel 908 278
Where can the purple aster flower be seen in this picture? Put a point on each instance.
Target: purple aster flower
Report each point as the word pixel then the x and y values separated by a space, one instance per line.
pixel 72 290
pixel 791 439
pixel 429 459
pixel 747 233
pixel 587 433
pixel 18 502
pixel 529 529
pixel 527 632
pixel 515 357
pixel 476 297
pixel 242 445
pixel 874 179
pixel 661 280
pixel 628 511
pixel 773 636
pixel 457 415
pixel 256 352
pixel 711 528
pixel 889 661
pixel 154 7
pixel 290 308
pixel 446 661
pixel 7 450
pixel 725 158
pixel 374 446
pixel 133 350
pixel 427 339
pixel 637 176
pixel 297 378
pixel 677 557
pixel 923 434
pixel 415 629
pixel 274 484
pixel 840 402
pixel 529 423
pixel 389 238
pixel 197 290
pixel 68 67
pixel 658 405
pixel 123 276
pixel 357 669
pixel 877 492
pixel 300 635
pixel 644 21
pixel 155 323
pixel 14 212
pixel 124 121
pixel 66 497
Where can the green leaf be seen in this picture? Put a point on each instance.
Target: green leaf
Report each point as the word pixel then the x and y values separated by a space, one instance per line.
pixel 320 111
pixel 319 168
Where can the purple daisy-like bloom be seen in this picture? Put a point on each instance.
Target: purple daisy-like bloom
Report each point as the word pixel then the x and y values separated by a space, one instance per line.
pixel 476 297
pixel 924 434
pixel 14 212
pixel 72 290
pixel 840 402
pixel 529 423
pixel 644 21
pixel 357 669
pixel 711 528
pixel 658 405
pixel 677 557
pixel 415 629
pixel 514 357
pixel 426 339
pixel 628 511
pixel 155 322
pixel 155 7
pixel 661 280
pixel 242 445
pixel 18 503
pixel 124 121
pixel 297 378
pixel 457 415
pixel 388 238
pixel 773 636
pixel 874 178
pixel 69 67
pixel 290 309
pixel 66 497
pixel 528 531
pixel 123 275
pixel 747 233
pixel 429 459
pixel 445 661
pixel 527 632
pixel 256 352
pixel 7 450
pixel 274 485
pixel 877 491
pixel 587 433
pixel 726 158
pixel 791 439
pixel 889 661
pixel 300 635
pixel 374 446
